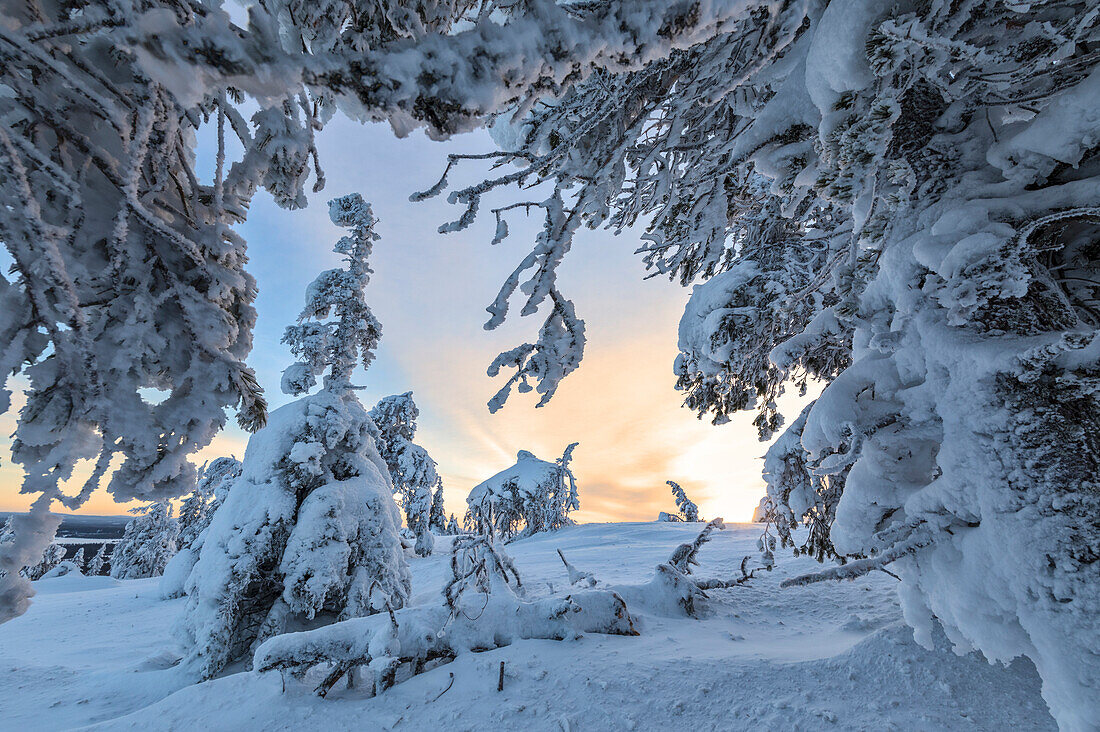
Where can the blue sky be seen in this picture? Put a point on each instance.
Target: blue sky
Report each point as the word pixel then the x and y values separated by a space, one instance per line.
pixel 430 291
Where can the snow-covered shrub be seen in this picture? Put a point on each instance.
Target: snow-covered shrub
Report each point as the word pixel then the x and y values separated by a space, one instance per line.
pixel 412 470
pixel 147 545
pixel 801 492
pixel 688 510
pixel 531 496
pixel 309 530
pixel 64 568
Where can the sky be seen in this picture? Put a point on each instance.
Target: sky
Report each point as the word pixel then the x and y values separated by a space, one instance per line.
pixel 430 290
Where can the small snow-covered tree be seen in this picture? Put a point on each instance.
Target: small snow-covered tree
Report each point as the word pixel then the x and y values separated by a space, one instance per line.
pixel 309 531
pixel 147 545
pixel 800 493
pixel 437 518
pixel 53 556
pixel 215 479
pixel 78 559
pixel 531 496
pixel 412 470
pixel 453 529
pixel 688 510
pixel 96 563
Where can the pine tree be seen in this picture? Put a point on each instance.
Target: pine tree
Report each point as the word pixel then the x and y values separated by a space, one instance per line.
pixel 95 565
pixel 147 544
pixel 412 470
pixel 688 510
pixel 453 529
pixel 310 530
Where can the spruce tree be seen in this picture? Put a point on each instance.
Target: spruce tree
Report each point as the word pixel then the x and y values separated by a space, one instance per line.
pixel 437 518
pixel 147 545
pixel 411 468
pixel 309 531
pixel 688 510
pixel 96 563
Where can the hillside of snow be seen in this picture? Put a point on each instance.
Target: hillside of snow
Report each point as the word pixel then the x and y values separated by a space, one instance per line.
pixel 96 651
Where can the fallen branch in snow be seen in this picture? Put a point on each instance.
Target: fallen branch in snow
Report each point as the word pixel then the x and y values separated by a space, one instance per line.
pixel 449 685
pixel 409 641
pixel 673 586
pixel 577 576
pixel 683 557
pixel 485 608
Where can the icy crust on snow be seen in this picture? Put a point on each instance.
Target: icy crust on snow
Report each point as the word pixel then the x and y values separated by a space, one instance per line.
pixel 826 656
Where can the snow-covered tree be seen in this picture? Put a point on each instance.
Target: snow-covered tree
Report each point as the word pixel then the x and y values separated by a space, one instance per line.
pixel 412 470
pixel 798 493
pixel 309 531
pixel 453 529
pixel 96 563
pixel 197 511
pixel 215 479
pixel 78 559
pixel 437 517
pixel 531 496
pixel 147 544
pixel 688 510
pixel 898 200
pixel 52 557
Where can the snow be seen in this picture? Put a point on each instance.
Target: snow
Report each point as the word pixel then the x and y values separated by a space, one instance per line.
pixel 826 656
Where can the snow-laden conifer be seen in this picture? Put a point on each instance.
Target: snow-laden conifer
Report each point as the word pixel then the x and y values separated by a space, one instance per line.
pixel 437 517
pixel 688 510
pixel 97 562
pixel 147 545
pixel 453 529
pixel 197 511
pixel 78 559
pixel 309 530
pixel 531 496
pixel 412 470
pixel 51 558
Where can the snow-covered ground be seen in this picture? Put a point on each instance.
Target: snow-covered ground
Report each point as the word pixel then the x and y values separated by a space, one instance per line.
pixel 92 650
